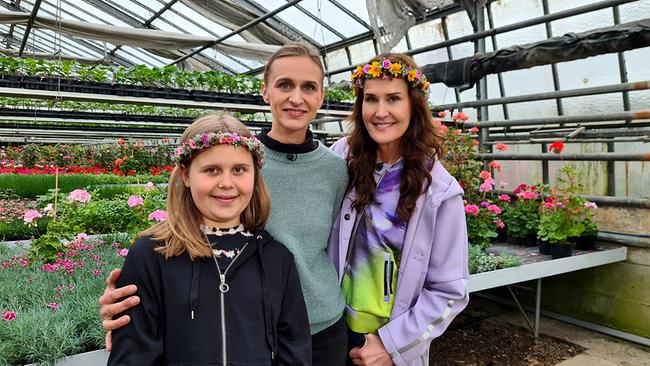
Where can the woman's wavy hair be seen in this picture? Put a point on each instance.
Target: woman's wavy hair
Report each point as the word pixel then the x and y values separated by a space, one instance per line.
pixel 420 145
pixel 181 231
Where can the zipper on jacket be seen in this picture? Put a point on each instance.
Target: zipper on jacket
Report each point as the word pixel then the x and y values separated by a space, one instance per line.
pixel 223 288
pixel 386 277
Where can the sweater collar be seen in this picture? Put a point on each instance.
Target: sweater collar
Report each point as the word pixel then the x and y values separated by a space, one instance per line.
pixel 308 145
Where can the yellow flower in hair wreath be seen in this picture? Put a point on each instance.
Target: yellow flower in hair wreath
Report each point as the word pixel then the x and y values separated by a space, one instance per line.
pixel 374 70
pixel 357 73
pixel 412 75
pixel 396 69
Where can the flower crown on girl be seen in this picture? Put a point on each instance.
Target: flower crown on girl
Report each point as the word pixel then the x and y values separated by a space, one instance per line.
pixel 204 141
pixel 386 69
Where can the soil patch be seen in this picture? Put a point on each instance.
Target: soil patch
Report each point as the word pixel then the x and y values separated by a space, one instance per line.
pixel 484 342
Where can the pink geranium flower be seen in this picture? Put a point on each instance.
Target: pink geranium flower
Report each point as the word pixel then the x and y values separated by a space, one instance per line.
pixel 9 315
pixel 504 198
pixel 96 272
pixel 591 205
pixel 472 210
pixel 495 165
pixel 30 216
pixel 123 252
pixel 501 147
pixel 158 215
pixel 499 224
pixel 148 186
pixel 528 195
pixel 79 195
pixel 134 201
pixel 494 208
pixel 485 175
pixel 53 306
pixel 460 116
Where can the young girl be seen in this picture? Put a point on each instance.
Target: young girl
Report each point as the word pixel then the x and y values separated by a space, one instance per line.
pixel 216 288
pixel 400 244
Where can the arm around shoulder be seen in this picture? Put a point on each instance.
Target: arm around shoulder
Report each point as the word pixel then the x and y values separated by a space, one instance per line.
pixel 140 342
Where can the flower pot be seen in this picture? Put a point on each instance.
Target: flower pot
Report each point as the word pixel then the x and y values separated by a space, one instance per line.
pixel 561 250
pixel 529 240
pixel 502 236
pixel 587 242
pixel 544 247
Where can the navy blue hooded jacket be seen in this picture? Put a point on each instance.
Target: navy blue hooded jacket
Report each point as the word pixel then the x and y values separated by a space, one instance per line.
pixel 179 320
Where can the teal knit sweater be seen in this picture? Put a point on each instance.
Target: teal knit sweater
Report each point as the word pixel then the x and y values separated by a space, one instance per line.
pixel 306 196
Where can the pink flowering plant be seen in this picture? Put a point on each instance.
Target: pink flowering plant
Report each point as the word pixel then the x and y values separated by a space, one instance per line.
pixel 483 219
pixel 49 309
pixel 124 213
pixel 461 159
pixel 522 217
pixel 561 218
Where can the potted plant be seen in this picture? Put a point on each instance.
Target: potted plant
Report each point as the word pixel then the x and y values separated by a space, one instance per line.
pixel 560 220
pixel 587 241
pixel 482 222
pixel 522 218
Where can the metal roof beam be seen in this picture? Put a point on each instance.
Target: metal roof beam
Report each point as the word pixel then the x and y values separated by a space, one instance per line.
pixel 366 36
pixel 351 14
pixel 315 18
pixel 278 24
pixel 28 28
pixel 236 31
pixel 118 60
pixel 123 14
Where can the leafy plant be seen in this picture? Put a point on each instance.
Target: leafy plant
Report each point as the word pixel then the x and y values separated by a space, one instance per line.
pixel 479 261
pixel 522 218
pixel 56 308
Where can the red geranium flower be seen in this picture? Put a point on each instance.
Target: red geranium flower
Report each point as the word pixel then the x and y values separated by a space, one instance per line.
pixel 557 147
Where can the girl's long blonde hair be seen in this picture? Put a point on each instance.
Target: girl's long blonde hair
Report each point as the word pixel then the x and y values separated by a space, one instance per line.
pixel 181 231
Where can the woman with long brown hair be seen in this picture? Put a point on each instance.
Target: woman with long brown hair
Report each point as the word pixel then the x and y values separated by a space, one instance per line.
pixel 400 244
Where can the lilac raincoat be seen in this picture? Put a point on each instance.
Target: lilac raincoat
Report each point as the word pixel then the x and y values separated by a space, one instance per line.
pixel 433 273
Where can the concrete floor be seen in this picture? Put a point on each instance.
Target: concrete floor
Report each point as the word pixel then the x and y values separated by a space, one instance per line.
pixel 601 350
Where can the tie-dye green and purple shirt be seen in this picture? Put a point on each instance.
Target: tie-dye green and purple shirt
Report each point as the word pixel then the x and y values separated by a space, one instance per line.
pixel 371 273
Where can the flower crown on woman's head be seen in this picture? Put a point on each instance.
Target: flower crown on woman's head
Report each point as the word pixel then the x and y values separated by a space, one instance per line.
pixel 204 141
pixel 386 69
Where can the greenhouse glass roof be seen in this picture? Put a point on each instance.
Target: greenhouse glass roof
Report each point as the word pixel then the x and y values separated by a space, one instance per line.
pixel 330 25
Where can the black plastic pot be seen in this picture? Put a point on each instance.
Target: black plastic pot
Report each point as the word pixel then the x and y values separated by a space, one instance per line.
pixel 587 242
pixel 544 247
pixel 529 240
pixel 502 236
pixel 561 250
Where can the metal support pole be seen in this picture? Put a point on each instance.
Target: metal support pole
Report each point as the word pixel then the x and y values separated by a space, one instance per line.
pixel 28 28
pixel 481 85
pixel 556 79
pixel 545 165
pixel 533 328
pixel 538 305
pixel 621 64
pixel 445 34
pixel 570 157
pixel 564 119
pixel 502 89
pixel 236 31
pixel 641 85
pixel 611 172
